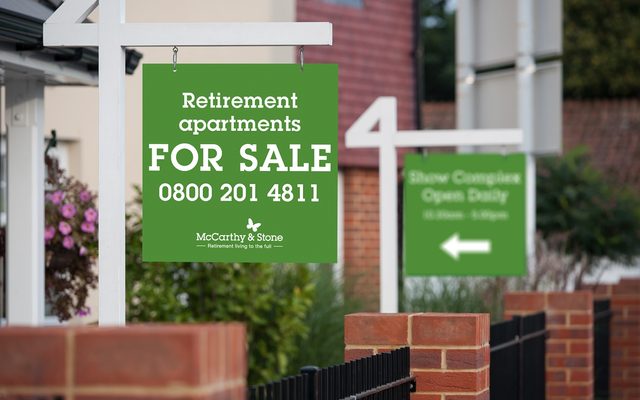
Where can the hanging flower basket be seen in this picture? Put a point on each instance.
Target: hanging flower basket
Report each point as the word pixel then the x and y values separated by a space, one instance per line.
pixel 71 243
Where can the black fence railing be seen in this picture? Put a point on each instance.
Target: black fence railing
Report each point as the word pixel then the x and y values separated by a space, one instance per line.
pixel 601 350
pixel 518 358
pixel 384 376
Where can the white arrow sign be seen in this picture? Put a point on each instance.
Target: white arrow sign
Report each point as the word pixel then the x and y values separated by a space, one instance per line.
pixel 454 246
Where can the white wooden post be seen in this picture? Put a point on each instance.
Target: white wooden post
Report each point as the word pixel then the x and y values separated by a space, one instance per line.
pixel 384 112
pixel 111 166
pixel 25 205
pixel 111 35
pixel 388 195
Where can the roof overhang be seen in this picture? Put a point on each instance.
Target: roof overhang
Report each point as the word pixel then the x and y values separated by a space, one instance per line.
pixel 35 65
pixel 22 53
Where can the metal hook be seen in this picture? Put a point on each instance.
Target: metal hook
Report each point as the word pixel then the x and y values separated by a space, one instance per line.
pixel 301 52
pixel 175 58
pixel 53 142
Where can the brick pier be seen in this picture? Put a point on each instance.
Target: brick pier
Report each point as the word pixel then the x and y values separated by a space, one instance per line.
pixel 188 362
pixel 449 352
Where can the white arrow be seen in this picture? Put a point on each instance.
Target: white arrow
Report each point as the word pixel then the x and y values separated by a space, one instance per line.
pixel 454 246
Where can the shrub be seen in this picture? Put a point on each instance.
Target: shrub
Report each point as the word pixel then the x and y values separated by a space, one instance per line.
pixel 271 300
pixel 598 221
pixel 454 295
pixel 324 343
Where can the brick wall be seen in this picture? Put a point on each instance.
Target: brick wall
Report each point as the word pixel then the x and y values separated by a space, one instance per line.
pixel 610 128
pixel 189 362
pixel 449 352
pixel 373 47
pixel 625 337
pixel 362 235
pixel 569 366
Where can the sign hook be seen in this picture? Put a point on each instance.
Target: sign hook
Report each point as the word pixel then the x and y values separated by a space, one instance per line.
pixel 175 58
pixel 301 52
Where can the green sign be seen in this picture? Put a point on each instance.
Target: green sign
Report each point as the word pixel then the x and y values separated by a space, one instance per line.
pixel 240 163
pixel 464 214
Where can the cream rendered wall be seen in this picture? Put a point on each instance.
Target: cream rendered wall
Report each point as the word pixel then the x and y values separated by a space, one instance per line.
pixel 73 111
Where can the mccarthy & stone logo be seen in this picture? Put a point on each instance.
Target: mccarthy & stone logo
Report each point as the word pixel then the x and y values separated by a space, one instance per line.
pixel 240 240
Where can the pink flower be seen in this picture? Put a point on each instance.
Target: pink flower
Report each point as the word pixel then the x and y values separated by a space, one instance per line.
pixel 68 242
pixel 88 227
pixel 56 197
pixel 83 312
pixel 83 251
pixel 49 233
pixel 68 210
pixel 84 196
pixel 91 215
pixel 64 228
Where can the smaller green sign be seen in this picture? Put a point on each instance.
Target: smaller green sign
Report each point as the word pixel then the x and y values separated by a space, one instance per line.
pixel 464 214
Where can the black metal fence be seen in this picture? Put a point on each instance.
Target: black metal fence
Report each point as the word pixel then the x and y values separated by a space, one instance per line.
pixel 518 358
pixel 601 350
pixel 384 376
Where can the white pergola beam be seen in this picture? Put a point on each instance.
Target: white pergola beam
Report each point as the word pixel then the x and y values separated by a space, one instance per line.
pixel 194 34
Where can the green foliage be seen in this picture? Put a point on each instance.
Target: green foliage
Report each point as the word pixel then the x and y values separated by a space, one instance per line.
pixel 324 344
pixel 272 301
pixel 601 42
pixel 599 220
pixel 454 295
pixel 600 48
pixel 438 48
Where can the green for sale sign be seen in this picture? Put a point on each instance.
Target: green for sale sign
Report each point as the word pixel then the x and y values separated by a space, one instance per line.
pixel 240 163
pixel 464 214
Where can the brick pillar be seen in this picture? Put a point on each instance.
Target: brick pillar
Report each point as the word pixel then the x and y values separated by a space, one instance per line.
pixel 449 352
pixel 625 337
pixel 570 343
pixel 194 362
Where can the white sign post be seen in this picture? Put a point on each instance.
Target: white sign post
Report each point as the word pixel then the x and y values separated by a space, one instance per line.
pixel 383 112
pixel 112 35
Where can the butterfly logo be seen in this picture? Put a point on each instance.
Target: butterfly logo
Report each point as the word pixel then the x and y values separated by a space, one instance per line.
pixel 253 225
